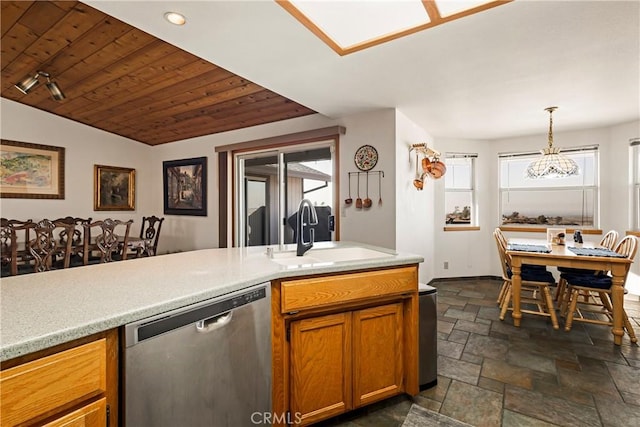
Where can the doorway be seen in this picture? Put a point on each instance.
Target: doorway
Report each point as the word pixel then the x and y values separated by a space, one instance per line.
pixel 270 185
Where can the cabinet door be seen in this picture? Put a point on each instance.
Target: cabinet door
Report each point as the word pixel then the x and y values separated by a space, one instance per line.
pixel 91 415
pixel 320 367
pixel 377 350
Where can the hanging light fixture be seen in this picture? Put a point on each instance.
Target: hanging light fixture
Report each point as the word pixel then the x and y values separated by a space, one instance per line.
pixel 31 81
pixel 552 164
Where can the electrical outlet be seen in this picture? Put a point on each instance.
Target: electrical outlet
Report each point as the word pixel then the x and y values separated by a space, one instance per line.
pixel 446 265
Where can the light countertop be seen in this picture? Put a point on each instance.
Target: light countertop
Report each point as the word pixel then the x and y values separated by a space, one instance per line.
pixel 41 310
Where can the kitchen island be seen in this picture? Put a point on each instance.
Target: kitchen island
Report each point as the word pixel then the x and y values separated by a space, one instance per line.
pixel 40 311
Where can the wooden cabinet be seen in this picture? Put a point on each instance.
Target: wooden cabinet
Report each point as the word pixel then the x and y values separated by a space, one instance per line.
pixel 377 353
pixel 75 384
pixel 343 341
pixel 320 366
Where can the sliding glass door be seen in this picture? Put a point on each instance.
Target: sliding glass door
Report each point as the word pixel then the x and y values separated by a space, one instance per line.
pixel 270 185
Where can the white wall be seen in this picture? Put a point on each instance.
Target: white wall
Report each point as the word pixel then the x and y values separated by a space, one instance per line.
pixel 479 249
pixel 84 147
pixel 467 252
pixel 414 209
pixel 407 220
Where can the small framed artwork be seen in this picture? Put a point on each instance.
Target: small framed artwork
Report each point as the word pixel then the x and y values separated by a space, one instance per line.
pixel 114 188
pixel 185 186
pixel 31 171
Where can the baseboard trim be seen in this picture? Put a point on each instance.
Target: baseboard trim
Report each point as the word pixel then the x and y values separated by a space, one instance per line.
pixel 452 279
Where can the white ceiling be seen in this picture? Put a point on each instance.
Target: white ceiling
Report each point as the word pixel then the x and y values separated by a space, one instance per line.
pixel 486 76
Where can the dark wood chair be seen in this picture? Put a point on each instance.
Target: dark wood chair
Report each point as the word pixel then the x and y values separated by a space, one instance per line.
pixel 14 238
pixel 76 234
pixel 149 234
pixel 44 248
pixel 107 243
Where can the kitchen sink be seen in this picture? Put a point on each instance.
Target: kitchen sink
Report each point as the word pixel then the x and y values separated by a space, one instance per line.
pixel 328 256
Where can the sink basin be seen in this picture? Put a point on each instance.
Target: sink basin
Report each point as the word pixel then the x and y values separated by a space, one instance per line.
pixel 328 256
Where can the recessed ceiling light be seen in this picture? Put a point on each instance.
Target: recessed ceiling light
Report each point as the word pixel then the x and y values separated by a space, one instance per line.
pixel 175 18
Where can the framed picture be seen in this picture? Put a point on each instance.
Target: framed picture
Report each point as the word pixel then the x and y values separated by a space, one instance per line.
pixel 31 171
pixel 185 186
pixel 114 188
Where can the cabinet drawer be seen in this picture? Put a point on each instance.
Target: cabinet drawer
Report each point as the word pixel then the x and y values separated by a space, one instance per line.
pixel 91 415
pixel 328 290
pixel 35 388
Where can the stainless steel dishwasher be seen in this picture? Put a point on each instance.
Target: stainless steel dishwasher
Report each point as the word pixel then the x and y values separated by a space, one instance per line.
pixel 208 364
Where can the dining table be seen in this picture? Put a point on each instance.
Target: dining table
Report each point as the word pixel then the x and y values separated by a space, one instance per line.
pixel 541 252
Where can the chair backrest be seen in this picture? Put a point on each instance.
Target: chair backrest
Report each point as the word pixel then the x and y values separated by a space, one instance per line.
pixel 498 234
pixel 14 239
pixel 628 246
pixel 43 247
pixel 501 244
pixel 609 240
pixel 76 232
pixel 150 231
pixel 107 241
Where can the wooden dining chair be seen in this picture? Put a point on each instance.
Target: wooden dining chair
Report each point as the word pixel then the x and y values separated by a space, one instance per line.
pixel 608 241
pixel 535 295
pixel 76 234
pixel 596 308
pixel 150 233
pixel 107 243
pixel 14 238
pixel 501 238
pixel 44 248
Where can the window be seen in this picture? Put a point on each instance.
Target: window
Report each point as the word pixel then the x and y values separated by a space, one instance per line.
pixel 570 201
pixel 635 153
pixel 459 190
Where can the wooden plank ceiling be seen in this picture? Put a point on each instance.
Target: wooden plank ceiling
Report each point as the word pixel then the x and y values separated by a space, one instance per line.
pixel 122 80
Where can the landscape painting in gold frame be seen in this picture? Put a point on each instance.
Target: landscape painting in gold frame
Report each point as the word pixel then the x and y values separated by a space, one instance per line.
pixel 31 171
pixel 114 188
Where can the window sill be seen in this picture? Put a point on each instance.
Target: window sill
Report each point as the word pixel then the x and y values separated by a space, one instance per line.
pixel 544 229
pixel 460 228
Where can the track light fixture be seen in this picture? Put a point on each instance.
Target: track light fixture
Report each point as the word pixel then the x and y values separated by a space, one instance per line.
pixel 30 81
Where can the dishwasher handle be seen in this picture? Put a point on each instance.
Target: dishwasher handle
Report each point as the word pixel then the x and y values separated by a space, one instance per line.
pixel 213 323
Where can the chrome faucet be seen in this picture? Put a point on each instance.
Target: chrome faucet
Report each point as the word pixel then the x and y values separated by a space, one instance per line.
pixel 312 219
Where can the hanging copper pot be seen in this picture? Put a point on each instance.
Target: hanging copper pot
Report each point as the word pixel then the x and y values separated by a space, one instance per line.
pixel 438 169
pixel 426 164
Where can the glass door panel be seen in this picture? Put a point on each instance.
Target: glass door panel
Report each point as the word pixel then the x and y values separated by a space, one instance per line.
pixel 270 186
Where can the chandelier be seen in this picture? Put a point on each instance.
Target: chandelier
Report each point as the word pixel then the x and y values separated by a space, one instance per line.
pixel 552 164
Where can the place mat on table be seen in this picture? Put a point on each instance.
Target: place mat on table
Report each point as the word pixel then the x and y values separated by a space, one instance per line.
pixel 595 252
pixel 528 248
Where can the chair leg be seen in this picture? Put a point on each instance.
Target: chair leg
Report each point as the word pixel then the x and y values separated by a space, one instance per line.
pixel 562 284
pixel 550 309
pixel 565 299
pixel 572 308
pixel 505 303
pixel 503 291
pixel 628 327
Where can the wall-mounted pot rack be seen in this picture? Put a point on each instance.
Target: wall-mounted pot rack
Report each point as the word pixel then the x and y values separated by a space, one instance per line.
pixel 367 202
pixel 432 166
pixel 422 148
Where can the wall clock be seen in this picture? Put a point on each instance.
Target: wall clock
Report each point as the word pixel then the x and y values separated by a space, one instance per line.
pixel 366 158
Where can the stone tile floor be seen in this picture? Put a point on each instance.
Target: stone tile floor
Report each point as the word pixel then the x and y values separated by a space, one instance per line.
pixel 494 374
